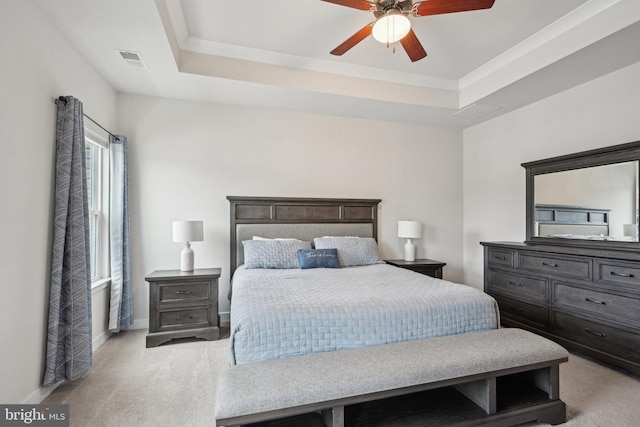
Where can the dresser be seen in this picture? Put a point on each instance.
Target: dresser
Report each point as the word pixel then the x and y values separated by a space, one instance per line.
pixel 587 300
pixel 182 305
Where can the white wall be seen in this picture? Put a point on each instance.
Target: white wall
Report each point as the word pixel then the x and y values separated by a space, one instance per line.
pixel 600 113
pixel 186 157
pixel 37 65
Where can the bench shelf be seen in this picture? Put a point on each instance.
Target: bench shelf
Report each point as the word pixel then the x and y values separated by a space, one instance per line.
pixel 497 378
pixel 442 407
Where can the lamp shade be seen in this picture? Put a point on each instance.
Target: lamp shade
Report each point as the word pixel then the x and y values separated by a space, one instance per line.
pixel 187 231
pixel 391 27
pixel 409 229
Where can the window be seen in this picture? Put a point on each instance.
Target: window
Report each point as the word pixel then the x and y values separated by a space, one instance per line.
pixel 95 150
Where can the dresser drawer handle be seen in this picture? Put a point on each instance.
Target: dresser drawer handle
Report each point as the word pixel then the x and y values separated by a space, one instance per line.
pixel 503 258
pixel 595 301
pixel 182 317
pixel 598 334
pixel 549 264
pixel 183 292
pixel 514 283
pixel 613 273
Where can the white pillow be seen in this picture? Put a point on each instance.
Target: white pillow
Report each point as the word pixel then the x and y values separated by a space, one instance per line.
pixel 273 253
pixel 352 251
pixel 277 238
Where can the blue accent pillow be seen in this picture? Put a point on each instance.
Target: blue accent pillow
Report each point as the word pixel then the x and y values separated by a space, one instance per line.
pixel 316 258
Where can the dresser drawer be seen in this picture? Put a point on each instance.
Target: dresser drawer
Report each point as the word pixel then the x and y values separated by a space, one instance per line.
pixel 572 267
pixel 187 292
pixel 514 284
pixel 618 273
pixel 526 313
pixel 597 335
pixel 186 318
pixel 597 303
pixel 502 257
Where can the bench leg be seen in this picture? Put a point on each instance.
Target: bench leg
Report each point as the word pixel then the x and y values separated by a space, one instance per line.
pixel 482 393
pixel 556 413
pixel 334 417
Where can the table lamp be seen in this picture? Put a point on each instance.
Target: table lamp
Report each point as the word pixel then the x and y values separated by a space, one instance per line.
pixel 409 230
pixel 186 232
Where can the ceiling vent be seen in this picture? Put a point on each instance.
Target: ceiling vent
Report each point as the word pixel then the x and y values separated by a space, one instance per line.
pixel 133 59
pixel 475 110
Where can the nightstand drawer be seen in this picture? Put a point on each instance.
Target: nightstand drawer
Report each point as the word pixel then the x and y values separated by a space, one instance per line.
pixel 187 318
pixel 520 285
pixel 597 303
pixel 192 291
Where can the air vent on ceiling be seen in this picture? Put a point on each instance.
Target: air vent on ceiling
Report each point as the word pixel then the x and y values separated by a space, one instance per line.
pixel 475 110
pixel 133 59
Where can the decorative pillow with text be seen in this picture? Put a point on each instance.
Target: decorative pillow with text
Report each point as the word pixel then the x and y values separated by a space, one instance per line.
pixel 318 258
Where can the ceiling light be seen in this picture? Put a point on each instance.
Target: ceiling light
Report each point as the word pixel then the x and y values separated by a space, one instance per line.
pixel 391 27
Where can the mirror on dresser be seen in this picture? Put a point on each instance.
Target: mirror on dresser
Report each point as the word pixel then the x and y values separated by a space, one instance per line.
pixel 586 199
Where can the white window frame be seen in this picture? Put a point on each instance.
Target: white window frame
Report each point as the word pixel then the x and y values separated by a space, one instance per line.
pixel 99 212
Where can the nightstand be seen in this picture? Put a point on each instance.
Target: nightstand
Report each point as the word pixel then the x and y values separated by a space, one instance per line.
pixel 183 304
pixel 424 266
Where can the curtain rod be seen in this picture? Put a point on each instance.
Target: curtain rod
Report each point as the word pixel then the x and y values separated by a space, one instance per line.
pixel 63 99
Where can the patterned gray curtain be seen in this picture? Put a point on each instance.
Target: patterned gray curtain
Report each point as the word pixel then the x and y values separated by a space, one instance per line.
pixel 69 330
pixel 121 309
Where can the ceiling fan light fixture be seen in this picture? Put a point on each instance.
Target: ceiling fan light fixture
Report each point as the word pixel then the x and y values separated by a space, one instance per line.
pixel 391 27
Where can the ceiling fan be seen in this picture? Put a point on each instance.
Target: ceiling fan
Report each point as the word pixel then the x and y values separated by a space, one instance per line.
pixel 392 23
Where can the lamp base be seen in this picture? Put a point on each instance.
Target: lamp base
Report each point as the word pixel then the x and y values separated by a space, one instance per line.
pixel 186 258
pixel 409 251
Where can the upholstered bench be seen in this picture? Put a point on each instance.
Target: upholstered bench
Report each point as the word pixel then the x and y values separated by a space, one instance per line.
pixel 500 377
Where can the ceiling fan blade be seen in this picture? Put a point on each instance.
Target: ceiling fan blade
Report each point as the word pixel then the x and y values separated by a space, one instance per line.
pixel 412 46
pixel 356 4
pixel 437 7
pixel 353 40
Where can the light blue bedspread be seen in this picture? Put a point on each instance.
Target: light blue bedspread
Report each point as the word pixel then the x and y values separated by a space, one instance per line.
pixel 291 312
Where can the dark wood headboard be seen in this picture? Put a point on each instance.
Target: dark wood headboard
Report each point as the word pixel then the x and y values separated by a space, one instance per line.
pixel 300 217
pixel 561 218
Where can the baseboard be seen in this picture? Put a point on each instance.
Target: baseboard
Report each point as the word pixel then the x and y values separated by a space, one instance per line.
pixel 40 394
pixel 99 340
pixel 140 324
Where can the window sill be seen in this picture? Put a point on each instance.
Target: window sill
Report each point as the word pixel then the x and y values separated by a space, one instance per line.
pixel 98 285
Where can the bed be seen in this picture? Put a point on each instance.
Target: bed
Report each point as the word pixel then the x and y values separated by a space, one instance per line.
pixel 279 309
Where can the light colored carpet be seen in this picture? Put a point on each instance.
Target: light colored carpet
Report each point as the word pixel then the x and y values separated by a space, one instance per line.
pixel 174 385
